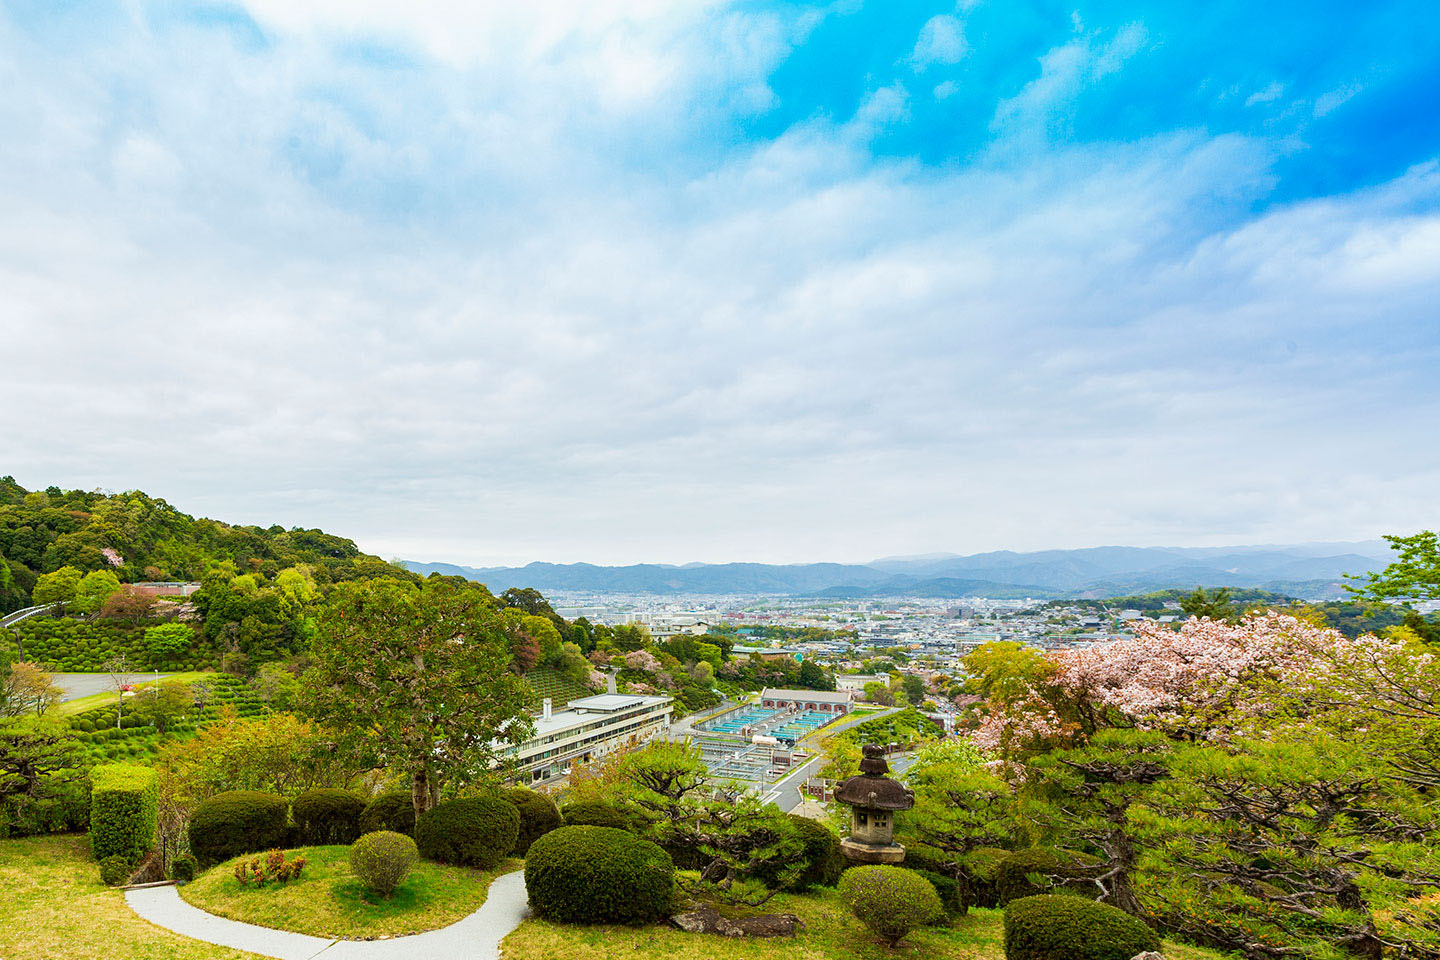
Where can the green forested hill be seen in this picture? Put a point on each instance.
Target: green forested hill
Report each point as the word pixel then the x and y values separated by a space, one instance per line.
pixel 140 538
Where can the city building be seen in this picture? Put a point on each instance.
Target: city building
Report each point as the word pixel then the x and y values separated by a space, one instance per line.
pixel 815 701
pixel 857 681
pixel 588 728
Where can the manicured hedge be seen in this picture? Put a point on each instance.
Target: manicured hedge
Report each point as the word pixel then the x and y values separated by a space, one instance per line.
pixel 389 811
pixel 1061 927
pixel 327 815
pixel 183 868
pixel 64 644
pixel 538 816
pixel 891 901
pixel 240 821
pixel 1057 869
pixel 123 811
pixel 477 831
pixel 594 813
pixel 586 874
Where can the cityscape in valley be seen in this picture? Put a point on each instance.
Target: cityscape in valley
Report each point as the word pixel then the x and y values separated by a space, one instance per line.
pixel 719 480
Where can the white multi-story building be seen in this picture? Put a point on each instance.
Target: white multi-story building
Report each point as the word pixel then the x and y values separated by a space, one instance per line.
pixel 588 728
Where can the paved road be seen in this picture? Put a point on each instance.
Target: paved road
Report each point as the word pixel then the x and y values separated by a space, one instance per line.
pixel 77 685
pixel 477 937
pixel 786 794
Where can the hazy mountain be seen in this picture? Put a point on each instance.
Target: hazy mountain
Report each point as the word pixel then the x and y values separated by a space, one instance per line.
pixel 1313 570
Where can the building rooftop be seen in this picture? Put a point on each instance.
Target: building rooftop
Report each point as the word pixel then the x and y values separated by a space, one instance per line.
pixel 579 712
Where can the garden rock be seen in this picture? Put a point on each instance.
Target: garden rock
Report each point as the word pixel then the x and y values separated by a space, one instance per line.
pixel 707 919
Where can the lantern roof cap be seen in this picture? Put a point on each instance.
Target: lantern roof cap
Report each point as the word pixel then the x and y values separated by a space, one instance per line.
pixel 872 789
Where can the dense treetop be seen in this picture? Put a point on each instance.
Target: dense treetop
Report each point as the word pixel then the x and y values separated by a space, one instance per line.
pixel 141 538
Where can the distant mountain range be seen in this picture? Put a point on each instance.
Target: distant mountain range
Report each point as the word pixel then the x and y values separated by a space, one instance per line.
pixel 1312 571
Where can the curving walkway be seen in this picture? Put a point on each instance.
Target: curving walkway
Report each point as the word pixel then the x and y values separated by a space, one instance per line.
pixel 477 937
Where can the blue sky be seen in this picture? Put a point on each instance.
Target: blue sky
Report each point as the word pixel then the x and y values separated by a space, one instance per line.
pixel 710 281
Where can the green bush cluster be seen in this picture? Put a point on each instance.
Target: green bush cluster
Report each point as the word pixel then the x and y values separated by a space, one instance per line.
pixel 821 861
pixel 327 815
pixel 1027 873
pixel 477 831
pixel 1060 927
pixel 891 901
pixel 240 821
pixel 123 811
pixel 66 645
pixel 59 807
pixel 139 741
pixel 389 811
pixel 594 813
pixel 115 870
pixel 982 864
pixel 183 868
pixel 382 860
pixel 584 874
pixel 538 816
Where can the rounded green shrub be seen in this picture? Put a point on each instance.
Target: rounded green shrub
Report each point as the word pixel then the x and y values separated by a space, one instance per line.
pixel 538 816
pixel 594 813
pixel 183 868
pixel 327 816
pixel 389 811
pixel 1060 927
pixel 477 831
pixel 382 860
pixel 1028 873
pixel 240 821
pixel 891 901
pixel 585 874
pixel 114 871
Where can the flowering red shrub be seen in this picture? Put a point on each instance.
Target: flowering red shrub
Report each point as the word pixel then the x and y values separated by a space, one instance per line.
pixel 272 867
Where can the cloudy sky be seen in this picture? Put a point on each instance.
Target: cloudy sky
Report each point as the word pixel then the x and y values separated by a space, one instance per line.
pixel 672 281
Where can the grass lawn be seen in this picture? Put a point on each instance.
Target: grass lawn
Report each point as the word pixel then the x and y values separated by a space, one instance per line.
pixel 327 900
pixel 71 707
pixel 830 933
pixel 54 907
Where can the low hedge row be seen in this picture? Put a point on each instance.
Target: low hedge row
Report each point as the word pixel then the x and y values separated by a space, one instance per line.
pixel 583 874
pixel 538 816
pixel 477 831
pixel 327 815
pixel 239 821
pixel 389 811
pixel 1062 927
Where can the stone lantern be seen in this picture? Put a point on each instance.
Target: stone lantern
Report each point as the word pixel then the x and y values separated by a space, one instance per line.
pixel 873 799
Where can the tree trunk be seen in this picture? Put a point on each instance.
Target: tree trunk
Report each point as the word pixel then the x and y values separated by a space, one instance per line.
pixel 420 789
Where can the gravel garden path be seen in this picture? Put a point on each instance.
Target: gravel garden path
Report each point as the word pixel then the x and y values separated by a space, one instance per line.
pixel 477 937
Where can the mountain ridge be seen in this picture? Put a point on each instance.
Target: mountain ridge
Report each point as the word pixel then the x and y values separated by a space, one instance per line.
pixel 1312 571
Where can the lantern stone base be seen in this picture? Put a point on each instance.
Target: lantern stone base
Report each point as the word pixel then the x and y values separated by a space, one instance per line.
pixel 871 852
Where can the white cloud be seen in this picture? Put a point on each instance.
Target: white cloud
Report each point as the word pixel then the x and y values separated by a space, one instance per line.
pixel 1332 100
pixel 941 41
pixel 1271 92
pixel 474 321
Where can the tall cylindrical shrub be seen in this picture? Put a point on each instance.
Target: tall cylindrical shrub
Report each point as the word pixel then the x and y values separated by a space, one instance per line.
pixel 598 875
pixel 240 821
pixel 538 816
pixel 123 811
pixel 477 831
pixel 327 815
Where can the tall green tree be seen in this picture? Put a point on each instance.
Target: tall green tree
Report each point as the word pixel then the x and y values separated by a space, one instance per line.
pixel 1413 575
pixel 420 679
pixel 1216 605
pixel 59 586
